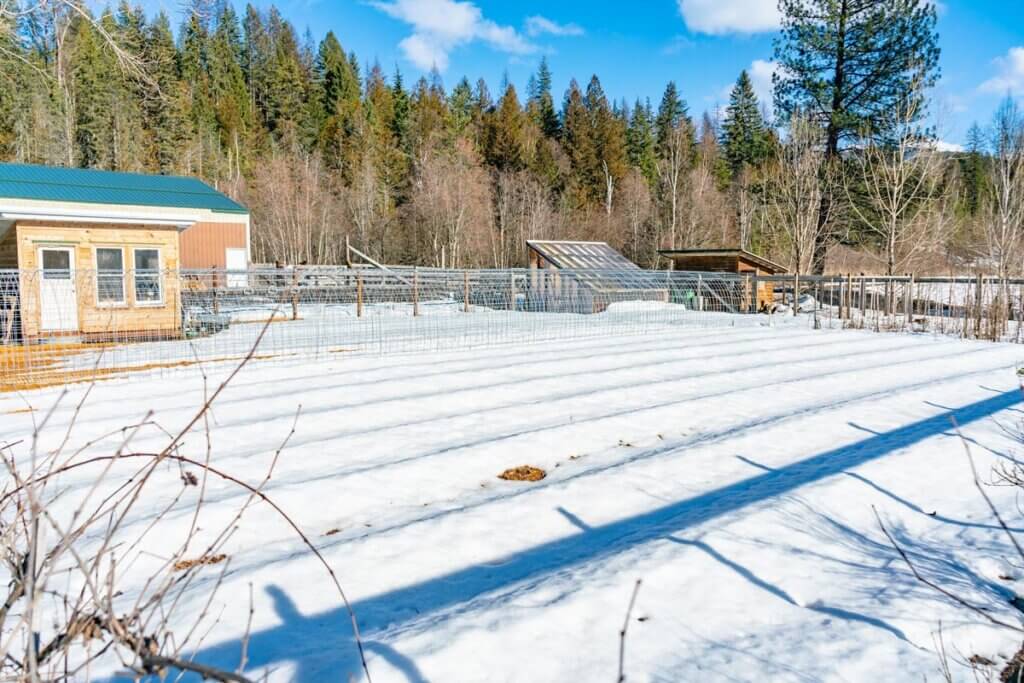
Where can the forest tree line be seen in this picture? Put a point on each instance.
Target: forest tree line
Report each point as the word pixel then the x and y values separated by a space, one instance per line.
pixel 322 146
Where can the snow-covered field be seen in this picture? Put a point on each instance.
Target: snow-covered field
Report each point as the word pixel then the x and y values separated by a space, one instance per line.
pixel 733 470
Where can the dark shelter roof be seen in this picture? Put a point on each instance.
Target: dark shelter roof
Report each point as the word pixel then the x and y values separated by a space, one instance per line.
pixel 684 255
pixel 581 255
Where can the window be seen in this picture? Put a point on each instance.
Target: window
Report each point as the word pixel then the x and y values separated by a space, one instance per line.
pixel 56 264
pixel 109 275
pixel 148 286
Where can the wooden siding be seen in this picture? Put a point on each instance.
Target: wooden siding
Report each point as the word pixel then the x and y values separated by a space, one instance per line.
pixel 101 320
pixel 203 245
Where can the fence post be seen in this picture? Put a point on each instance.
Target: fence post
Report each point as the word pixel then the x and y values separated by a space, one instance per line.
pixel 359 295
pixel 415 291
pixel 216 290
pixel 863 299
pixel 700 292
pixel 979 302
pixel 465 291
pixel 512 292
pixel 849 295
pixel 910 301
pixel 295 293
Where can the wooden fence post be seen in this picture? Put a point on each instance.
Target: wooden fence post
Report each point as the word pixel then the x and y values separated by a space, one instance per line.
pixel 979 303
pixel 910 301
pixel 849 294
pixel 359 295
pixel 863 299
pixel 295 293
pixel 512 292
pixel 700 292
pixel 415 291
pixel 465 291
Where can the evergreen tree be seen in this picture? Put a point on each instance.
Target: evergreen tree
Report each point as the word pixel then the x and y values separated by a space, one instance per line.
pixel 167 112
pixel 672 113
pixel 974 169
pixel 609 135
pixel 744 133
pixel 93 92
pixel 850 64
pixel 641 143
pixel 579 144
pixel 541 105
pixel 505 145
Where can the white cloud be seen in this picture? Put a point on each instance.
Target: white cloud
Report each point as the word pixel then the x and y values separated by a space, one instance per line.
pixel 1010 77
pixel 730 16
pixel 440 26
pixel 943 146
pixel 761 72
pixel 538 25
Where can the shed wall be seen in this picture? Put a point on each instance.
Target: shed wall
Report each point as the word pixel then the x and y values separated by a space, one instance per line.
pixel 203 245
pixel 95 319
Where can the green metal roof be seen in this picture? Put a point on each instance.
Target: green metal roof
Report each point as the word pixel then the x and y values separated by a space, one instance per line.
pixel 59 184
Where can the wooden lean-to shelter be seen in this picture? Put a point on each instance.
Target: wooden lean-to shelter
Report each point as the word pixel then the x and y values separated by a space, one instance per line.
pixel 738 261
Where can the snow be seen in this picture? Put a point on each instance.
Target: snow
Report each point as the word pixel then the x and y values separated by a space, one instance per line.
pixel 735 470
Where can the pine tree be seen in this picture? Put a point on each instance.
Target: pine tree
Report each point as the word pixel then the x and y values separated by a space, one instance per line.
pixel 641 143
pixel 744 133
pixel 609 135
pixel 579 144
pixel 93 92
pixel 505 144
pixel 672 113
pixel 848 65
pixel 231 101
pixel 974 169
pixel 541 105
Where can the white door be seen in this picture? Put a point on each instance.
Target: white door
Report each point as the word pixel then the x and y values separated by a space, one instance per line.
pixel 237 262
pixel 58 302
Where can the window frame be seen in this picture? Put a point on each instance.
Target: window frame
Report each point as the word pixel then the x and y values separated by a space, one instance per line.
pixel 158 274
pixel 100 275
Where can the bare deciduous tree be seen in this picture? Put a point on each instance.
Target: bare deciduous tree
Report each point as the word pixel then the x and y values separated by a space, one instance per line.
pixel 793 190
pixel 895 187
pixel 1004 212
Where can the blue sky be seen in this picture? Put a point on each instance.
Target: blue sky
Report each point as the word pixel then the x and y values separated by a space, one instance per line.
pixel 636 48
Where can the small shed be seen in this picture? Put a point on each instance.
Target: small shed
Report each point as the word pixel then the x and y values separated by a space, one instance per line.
pixel 596 274
pixel 97 253
pixel 739 261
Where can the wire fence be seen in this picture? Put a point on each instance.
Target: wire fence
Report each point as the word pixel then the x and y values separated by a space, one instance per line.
pixel 977 307
pixel 61 326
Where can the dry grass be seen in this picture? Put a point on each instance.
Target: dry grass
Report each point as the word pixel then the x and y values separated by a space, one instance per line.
pixel 36 376
pixel 523 473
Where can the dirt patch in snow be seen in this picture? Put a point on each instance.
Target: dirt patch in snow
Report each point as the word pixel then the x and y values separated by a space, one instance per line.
pixel 183 565
pixel 523 473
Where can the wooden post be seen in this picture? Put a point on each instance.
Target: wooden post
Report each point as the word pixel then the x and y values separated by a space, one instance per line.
pixel 979 302
pixel 359 295
pixel 465 291
pixel 863 299
pixel 700 292
pixel 796 292
pixel 295 293
pixel 415 291
pixel 910 301
pixel 216 292
pixel 849 294
pixel 512 292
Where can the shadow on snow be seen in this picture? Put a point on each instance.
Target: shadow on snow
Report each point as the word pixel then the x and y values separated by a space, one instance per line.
pixel 320 646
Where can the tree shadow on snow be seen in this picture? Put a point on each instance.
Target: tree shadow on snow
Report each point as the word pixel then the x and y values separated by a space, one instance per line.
pixel 321 645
